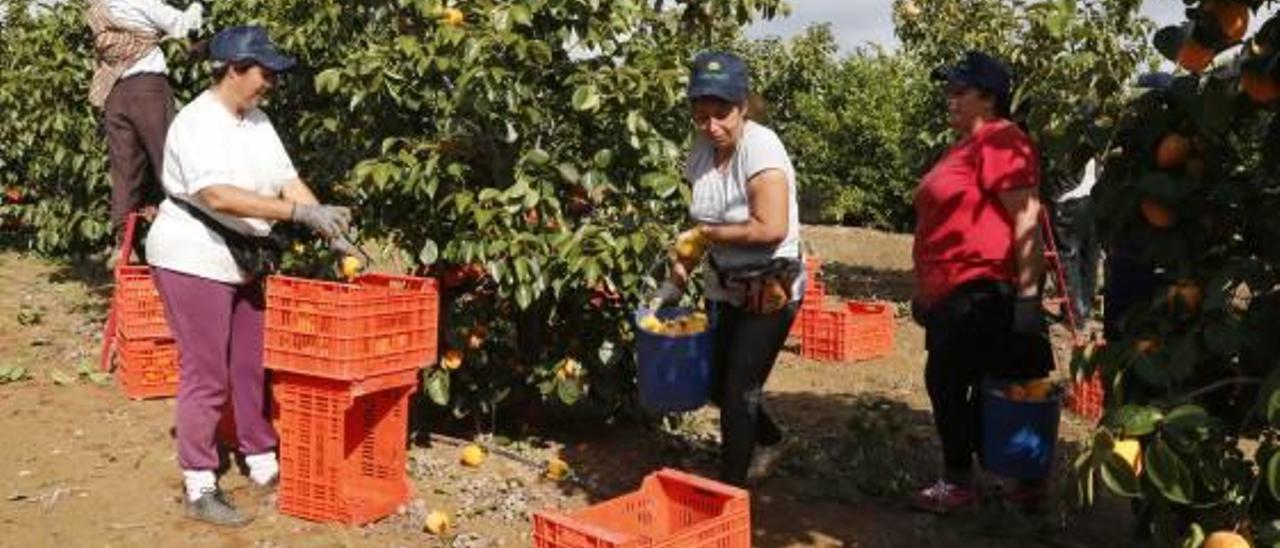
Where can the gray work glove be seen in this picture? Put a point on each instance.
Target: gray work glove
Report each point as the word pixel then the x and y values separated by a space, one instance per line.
pixel 341 246
pixel 327 221
pixel 668 293
pixel 1028 316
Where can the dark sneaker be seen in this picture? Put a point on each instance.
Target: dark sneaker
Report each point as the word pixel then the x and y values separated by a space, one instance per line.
pixel 766 459
pixel 213 507
pixel 944 497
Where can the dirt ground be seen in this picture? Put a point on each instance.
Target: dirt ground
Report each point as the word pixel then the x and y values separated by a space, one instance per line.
pixel 84 466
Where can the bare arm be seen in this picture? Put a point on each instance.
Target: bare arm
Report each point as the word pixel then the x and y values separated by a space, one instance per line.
pixel 767 197
pixel 236 201
pixel 1024 206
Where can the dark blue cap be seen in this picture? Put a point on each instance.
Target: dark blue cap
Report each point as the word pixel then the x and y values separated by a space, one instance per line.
pixel 979 70
pixel 719 74
pixel 249 43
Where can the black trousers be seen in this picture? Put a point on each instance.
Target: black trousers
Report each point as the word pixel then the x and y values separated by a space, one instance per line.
pixel 969 338
pixel 746 347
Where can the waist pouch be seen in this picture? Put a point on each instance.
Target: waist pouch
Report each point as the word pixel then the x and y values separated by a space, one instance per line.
pixel 256 256
pixel 766 287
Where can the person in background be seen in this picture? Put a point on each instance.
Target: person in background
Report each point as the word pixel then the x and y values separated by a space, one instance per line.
pixel 131 85
pixel 225 164
pixel 744 204
pixel 979 264
pixel 1077 241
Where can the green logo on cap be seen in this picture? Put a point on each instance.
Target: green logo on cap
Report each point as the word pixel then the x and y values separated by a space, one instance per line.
pixel 714 65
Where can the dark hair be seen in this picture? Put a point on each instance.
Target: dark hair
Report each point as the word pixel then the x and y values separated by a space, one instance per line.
pixel 220 69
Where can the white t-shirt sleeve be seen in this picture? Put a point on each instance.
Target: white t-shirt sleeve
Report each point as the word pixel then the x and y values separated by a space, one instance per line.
pixel 281 168
pixel 197 159
pixel 762 151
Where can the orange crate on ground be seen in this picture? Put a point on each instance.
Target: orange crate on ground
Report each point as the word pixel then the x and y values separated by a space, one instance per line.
pixel 139 310
pixel 379 324
pixel 342 446
pixel 672 509
pixel 815 294
pixel 1085 397
pixel 854 332
pixel 147 368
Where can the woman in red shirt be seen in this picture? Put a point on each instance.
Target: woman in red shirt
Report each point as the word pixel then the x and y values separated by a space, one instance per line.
pixel 978 263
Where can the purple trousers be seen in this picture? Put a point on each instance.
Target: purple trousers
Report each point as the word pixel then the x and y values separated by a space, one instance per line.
pixel 218 328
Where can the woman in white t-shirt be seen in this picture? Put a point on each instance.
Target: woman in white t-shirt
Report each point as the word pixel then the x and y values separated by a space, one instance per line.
pixel 225 164
pixel 744 201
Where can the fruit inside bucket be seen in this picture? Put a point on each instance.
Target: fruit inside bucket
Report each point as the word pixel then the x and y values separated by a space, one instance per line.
pixel 673 359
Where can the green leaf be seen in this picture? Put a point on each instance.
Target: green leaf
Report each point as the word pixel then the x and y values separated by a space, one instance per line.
pixel 430 253
pixel 1194 538
pixel 569 391
pixel 586 98
pixel 1134 421
pixel 328 80
pixel 537 156
pixel 60 378
pixel 99 378
pixel 1273 475
pixel 1273 408
pixel 437 385
pixel 17 373
pixel 1168 472
pixel 1119 477
pixel 569 173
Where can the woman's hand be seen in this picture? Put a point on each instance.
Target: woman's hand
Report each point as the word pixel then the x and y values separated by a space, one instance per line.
pixel 327 221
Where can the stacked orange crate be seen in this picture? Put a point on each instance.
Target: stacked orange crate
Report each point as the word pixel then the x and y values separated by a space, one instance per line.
pixel 1085 397
pixel 672 509
pixel 146 352
pixel 855 331
pixel 346 359
pixel 815 295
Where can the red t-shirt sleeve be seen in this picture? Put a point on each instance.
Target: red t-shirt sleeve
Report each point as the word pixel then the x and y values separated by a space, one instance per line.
pixel 1007 161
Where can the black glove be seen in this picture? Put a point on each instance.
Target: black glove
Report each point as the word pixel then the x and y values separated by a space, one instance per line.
pixel 1028 316
pixel 327 221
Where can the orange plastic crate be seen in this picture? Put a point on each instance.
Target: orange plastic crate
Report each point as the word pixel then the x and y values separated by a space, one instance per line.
pixel 672 509
pixel 1085 397
pixel 139 310
pixel 815 294
pixel 147 368
pixel 342 446
pixel 379 324
pixel 854 332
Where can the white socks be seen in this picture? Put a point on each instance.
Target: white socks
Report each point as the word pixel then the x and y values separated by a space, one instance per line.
pixel 263 467
pixel 197 482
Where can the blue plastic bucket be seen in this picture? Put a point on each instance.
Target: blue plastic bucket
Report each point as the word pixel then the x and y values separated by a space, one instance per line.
pixel 1018 437
pixel 673 373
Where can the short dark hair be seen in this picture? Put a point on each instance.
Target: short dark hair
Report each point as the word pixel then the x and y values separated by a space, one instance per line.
pixel 220 69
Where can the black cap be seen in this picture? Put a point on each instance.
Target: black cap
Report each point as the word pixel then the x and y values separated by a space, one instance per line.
pixel 719 74
pixel 981 71
pixel 249 43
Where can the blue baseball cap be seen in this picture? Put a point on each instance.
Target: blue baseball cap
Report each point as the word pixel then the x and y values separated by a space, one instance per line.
pixel 981 71
pixel 249 43
pixel 719 74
